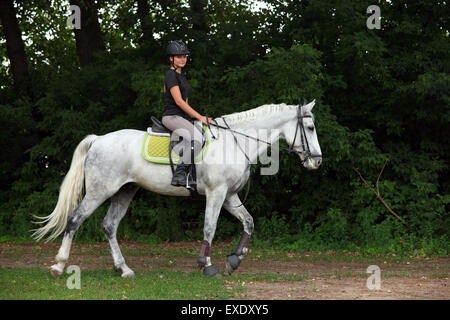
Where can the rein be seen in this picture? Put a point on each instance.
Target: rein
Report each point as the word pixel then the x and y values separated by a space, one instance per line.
pixel 229 129
pixel 304 142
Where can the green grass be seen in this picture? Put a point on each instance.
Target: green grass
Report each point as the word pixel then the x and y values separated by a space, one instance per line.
pixel 37 284
pixel 220 252
pixel 439 275
pixel 103 284
pixel 257 253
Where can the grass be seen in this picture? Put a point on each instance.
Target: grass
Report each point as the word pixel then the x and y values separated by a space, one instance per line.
pixel 37 284
pixel 440 275
pixel 217 252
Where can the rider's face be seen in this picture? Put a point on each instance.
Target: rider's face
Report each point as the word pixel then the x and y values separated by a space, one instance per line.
pixel 180 60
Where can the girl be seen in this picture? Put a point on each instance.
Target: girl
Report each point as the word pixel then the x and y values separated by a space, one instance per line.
pixel 176 112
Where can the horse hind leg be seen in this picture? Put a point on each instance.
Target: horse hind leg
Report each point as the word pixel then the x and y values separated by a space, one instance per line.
pixel 86 207
pixel 233 206
pixel 119 205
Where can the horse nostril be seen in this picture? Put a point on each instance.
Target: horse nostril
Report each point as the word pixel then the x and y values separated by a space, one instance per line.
pixel 319 162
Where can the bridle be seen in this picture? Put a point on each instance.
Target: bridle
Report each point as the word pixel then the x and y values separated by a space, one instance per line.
pixel 305 152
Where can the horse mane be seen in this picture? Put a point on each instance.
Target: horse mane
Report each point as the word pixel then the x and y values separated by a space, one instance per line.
pixel 255 113
pixel 252 114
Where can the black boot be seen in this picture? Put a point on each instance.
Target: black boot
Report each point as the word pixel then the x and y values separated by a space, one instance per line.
pixel 184 176
pixel 179 178
pixel 191 173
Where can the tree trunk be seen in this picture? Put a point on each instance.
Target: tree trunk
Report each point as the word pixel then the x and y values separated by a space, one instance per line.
pixel 89 39
pixel 199 18
pixel 146 21
pixel 15 49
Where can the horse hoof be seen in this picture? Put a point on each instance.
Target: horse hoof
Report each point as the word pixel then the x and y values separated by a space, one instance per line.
pixel 229 268
pixel 232 263
pixel 55 271
pixel 211 271
pixel 128 274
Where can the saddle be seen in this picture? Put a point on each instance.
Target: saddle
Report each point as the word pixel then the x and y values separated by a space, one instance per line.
pixel 158 127
pixel 159 148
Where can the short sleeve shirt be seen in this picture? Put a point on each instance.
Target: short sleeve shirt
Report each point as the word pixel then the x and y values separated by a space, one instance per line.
pixel 171 79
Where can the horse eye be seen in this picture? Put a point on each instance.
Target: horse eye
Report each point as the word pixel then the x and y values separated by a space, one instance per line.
pixel 311 128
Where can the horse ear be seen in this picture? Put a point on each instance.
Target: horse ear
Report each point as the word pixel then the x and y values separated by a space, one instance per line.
pixel 310 105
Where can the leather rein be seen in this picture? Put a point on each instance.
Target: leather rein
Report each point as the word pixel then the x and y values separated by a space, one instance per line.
pixel 305 152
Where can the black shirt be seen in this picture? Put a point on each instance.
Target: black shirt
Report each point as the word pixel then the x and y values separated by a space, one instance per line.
pixel 171 79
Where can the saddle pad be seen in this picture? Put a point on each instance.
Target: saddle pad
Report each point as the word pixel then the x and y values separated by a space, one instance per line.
pixel 155 148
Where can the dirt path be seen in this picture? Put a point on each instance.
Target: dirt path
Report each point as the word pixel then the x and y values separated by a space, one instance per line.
pixel 324 278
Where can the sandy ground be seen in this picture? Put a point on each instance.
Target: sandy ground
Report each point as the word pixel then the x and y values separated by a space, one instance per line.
pixel 416 278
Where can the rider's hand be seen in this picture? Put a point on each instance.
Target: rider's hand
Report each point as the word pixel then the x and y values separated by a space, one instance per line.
pixel 203 119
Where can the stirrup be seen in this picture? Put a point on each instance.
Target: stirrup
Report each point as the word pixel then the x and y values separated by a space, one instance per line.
pixel 193 184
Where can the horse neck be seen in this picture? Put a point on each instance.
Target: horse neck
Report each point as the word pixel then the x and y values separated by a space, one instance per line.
pixel 268 121
pixel 267 128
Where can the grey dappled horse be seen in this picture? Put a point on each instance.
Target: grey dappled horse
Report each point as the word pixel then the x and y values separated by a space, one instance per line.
pixel 111 166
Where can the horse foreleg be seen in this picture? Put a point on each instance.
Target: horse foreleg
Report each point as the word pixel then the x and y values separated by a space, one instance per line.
pixel 233 206
pixel 214 201
pixel 119 205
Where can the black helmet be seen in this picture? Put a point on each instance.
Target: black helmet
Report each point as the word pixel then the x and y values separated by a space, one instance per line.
pixel 176 47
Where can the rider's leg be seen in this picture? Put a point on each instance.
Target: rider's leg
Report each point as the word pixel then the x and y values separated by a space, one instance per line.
pixel 191 146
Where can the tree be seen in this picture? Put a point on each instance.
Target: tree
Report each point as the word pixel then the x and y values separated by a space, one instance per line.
pixel 199 17
pixel 89 38
pixel 15 49
pixel 145 19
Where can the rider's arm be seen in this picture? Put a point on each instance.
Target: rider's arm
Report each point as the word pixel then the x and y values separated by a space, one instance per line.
pixel 176 94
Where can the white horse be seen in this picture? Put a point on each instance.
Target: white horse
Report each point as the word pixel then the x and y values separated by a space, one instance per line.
pixel 112 166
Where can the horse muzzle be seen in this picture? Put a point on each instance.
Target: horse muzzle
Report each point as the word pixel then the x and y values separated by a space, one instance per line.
pixel 312 162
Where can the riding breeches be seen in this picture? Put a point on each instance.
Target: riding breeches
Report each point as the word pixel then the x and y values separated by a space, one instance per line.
pixel 181 127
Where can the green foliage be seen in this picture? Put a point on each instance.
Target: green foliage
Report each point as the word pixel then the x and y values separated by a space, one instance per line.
pixel 381 101
pixel 274 227
pixel 277 78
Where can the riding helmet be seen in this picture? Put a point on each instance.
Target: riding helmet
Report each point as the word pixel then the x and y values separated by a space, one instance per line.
pixel 176 47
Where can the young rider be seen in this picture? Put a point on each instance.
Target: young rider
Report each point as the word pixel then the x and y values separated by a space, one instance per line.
pixel 176 112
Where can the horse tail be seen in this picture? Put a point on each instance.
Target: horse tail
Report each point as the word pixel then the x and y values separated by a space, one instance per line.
pixel 70 194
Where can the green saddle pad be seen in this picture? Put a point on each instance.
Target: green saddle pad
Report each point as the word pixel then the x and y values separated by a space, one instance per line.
pixel 155 149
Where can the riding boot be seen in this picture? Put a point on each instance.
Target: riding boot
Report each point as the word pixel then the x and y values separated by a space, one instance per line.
pixel 180 175
pixel 185 175
pixel 191 174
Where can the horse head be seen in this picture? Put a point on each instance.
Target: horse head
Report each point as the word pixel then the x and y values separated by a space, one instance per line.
pixel 301 136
